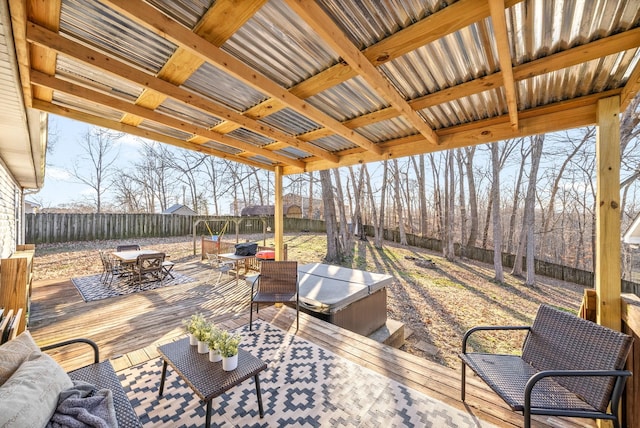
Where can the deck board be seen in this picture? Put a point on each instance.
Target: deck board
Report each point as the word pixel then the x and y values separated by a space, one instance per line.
pixel 129 328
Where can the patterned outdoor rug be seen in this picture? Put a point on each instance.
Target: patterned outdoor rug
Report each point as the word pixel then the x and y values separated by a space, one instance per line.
pixel 304 385
pixel 90 287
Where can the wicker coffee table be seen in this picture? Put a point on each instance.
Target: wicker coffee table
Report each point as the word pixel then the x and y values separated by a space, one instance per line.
pixel 207 379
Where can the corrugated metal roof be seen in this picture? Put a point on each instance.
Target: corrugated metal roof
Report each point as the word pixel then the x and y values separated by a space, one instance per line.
pixel 334 143
pixel 97 25
pixel 163 129
pixel 222 147
pixel 480 106
pixel 187 113
pixel 92 77
pixel 451 60
pixel 86 106
pixel 387 130
pixel 290 122
pixel 226 90
pixel 250 137
pixel 186 12
pixel 278 44
pixel 369 21
pixel 350 99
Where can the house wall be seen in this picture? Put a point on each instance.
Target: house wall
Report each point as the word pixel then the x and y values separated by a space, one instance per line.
pixel 10 213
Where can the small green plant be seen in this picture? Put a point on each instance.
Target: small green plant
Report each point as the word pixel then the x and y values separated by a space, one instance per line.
pixel 194 323
pixel 215 337
pixel 229 344
pixel 203 332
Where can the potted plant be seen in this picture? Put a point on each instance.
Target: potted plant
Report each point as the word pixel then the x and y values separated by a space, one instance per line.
pixel 202 333
pixel 214 342
pixel 229 351
pixel 192 325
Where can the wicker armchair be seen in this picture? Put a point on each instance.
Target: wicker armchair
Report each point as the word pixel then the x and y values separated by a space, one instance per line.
pixel 277 283
pixel 128 247
pixel 568 367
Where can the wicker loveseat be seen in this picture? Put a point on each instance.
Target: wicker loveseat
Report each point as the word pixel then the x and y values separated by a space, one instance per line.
pixel 568 367
pixel 31 383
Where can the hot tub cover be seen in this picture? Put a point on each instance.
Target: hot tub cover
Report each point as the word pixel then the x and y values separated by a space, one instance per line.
pixel 328 288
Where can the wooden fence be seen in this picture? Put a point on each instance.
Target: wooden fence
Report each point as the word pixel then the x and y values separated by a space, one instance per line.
pixel 48 228
pixel 66 227
pixel 548 269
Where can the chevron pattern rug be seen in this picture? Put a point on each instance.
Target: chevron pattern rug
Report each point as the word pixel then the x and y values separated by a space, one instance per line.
pixel 91 288
pixel 304 385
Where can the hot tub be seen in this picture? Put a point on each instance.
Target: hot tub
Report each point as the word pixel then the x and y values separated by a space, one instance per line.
pixel 350 298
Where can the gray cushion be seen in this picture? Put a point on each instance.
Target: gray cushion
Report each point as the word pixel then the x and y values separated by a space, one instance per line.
pixel 30 396
pixel 14 353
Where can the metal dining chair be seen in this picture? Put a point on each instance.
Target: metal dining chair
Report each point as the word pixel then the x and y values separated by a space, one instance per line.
pixel 218 266
pixel 276 283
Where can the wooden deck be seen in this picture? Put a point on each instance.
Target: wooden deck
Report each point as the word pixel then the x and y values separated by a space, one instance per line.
pixel 129 328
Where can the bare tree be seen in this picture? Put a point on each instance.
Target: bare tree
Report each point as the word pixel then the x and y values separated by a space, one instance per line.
pixel 345 236
pixel 334 251
pixel 419 171
pixel 527 235
pixel 449 203
pixel 96 164
pixel 497 221
pixel 473 196
pixel 398 202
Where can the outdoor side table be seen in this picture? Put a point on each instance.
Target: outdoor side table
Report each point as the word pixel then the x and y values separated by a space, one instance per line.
pixel 205 378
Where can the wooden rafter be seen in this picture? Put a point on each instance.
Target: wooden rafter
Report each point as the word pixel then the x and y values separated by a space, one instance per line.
pixel 155 21
pixel 550 118
pixel 140 132
pixel 324 26
pixel 504 58
pixel 56 84
pixel 42 36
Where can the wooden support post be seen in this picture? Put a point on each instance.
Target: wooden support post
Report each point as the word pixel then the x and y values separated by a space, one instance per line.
pixel 278 221
pixel 607 267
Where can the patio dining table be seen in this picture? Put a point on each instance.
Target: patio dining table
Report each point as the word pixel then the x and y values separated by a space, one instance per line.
pixel 130 257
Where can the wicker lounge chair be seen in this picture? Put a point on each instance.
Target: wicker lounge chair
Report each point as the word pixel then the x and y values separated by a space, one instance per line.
pixel 277 283
pixel 102 375
pixel 558 372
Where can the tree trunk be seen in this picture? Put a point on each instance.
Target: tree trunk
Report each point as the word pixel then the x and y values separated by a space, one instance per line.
pixel 529 212
pixel 345 235
pixel 385 174
pixel 463 204
pixel 398 200
pixel 374 216
pixel 449 203
pixel 473 197
pixel 497 223
pixel 334 251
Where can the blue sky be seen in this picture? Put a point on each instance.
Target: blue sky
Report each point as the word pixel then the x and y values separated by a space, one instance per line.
pixel 60 187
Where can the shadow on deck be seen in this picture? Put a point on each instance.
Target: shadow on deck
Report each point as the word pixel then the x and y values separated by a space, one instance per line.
pixel 129 328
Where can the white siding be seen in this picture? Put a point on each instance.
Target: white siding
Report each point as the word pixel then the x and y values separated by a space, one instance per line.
pixel 10 212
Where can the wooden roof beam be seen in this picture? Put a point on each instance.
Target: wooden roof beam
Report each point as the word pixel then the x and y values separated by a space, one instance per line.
pixel 56 84
pixel 554 117
pixel 155 21
pixel 331 34
pixel 219 23
pixel 143 133
pixel 504 58
pixel 39 35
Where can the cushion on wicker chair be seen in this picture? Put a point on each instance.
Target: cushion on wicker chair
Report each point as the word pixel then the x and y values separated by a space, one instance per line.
pixel 30 396
pixel 14 353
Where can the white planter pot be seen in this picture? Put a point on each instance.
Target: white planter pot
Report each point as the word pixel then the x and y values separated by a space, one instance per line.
pixel 192 340
pixel 229 363
pixel 203 347
pixel 214 355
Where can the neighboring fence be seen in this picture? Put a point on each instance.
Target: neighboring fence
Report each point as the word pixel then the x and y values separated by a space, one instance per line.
pixel 65 227
pixel 548 269
pixel 48 228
